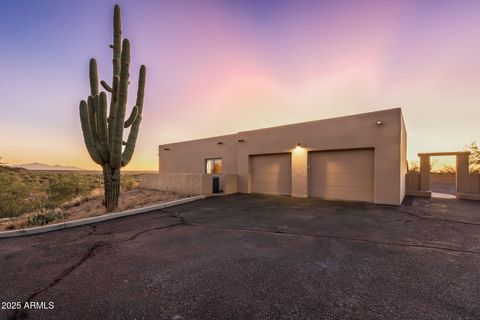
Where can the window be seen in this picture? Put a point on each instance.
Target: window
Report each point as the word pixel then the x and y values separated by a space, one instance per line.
pixel 213 166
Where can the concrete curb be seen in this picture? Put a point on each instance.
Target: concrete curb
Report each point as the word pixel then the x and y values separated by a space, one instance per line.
pixel 105 217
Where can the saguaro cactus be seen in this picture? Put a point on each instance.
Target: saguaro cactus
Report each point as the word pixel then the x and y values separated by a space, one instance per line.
pixel 104 135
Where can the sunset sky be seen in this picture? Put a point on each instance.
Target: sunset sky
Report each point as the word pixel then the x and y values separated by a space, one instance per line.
pixel 219 67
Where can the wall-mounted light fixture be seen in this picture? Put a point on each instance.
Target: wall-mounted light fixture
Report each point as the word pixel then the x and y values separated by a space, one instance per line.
pixel 166 149
pixel 379 123
pixel 299 149
pixel 220 142
pixel 241 140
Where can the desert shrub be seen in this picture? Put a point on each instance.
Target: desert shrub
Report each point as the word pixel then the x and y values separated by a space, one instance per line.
pixel 44 218
pixel 23 191
pixel 129 182
pixel 64 187
pixel 15 195
pixel 413 167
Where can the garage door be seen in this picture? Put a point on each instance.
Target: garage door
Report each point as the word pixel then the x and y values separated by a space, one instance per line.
pixel 342 175
pixel 271 174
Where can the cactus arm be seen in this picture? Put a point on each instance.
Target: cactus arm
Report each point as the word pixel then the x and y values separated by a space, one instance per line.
pixel 132 137
pixel 93 77
pixel 117 40
pixel 102 127
pixel 87 133
pixel 132 117
pixel 92 117
pixel 116 144
pixel 106 86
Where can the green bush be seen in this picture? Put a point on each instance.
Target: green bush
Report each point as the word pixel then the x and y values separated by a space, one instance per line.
pixel 65 187
pixel 45 218
pixel 129 182
pixel 15 195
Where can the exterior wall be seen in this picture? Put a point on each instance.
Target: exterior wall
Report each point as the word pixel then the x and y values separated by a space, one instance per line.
pixel 403 158
pixel 463 176
pixel 350 132
pixel 190 184
pixel 474 183
pixel 230 184
pixel 299 172
pixel 189 156
pixel 412 182
pixel 473 188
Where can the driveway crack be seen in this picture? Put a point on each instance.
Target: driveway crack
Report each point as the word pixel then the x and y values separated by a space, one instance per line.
pixel 398 244
pixel 134 236
pixel 395 210
pixel 23 312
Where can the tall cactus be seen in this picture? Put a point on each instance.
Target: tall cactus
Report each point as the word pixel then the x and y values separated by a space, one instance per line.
pixel 104 135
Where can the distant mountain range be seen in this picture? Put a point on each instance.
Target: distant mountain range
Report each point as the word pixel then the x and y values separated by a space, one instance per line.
pixel 42 166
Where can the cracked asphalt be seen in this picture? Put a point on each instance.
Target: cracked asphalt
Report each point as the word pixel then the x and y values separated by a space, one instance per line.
pixel 255 257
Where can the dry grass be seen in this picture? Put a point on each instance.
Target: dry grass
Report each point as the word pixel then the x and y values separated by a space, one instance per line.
pixel 91 206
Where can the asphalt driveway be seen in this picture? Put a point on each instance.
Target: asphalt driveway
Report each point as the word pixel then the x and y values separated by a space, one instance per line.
pixel 254 257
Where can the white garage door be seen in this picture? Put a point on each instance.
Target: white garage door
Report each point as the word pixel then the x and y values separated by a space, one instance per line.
pixel 342 175
pixel 271 174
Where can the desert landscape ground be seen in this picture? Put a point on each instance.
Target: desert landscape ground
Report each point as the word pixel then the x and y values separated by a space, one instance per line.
pixel 33 198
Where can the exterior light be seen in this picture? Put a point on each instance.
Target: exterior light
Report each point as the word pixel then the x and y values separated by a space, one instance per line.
pixel 220 142
pixel 379 123
pixel 166 149
pixel 299 149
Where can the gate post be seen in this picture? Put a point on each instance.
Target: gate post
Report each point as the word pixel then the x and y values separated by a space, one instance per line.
pixel 463 173
pixel 424 172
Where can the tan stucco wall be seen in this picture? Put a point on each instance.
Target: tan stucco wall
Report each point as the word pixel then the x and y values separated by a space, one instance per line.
pixel 403 158
pixel 190 156
pixel 463 177
pixel 189 184
pixel 412 182
pixel 299 172
pixel 350 132
pixel 474 183
pixel 230 183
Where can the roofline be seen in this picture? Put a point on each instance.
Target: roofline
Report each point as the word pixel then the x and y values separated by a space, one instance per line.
pixel 326 119
pixel 285 125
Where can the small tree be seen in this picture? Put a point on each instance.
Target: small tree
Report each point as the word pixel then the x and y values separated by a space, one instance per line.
pixel 413 167
pixel 474 156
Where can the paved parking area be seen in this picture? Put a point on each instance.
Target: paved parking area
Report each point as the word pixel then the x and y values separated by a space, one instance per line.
pixel 254 257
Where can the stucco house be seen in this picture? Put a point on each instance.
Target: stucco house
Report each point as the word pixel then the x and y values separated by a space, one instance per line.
pixel 359 157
